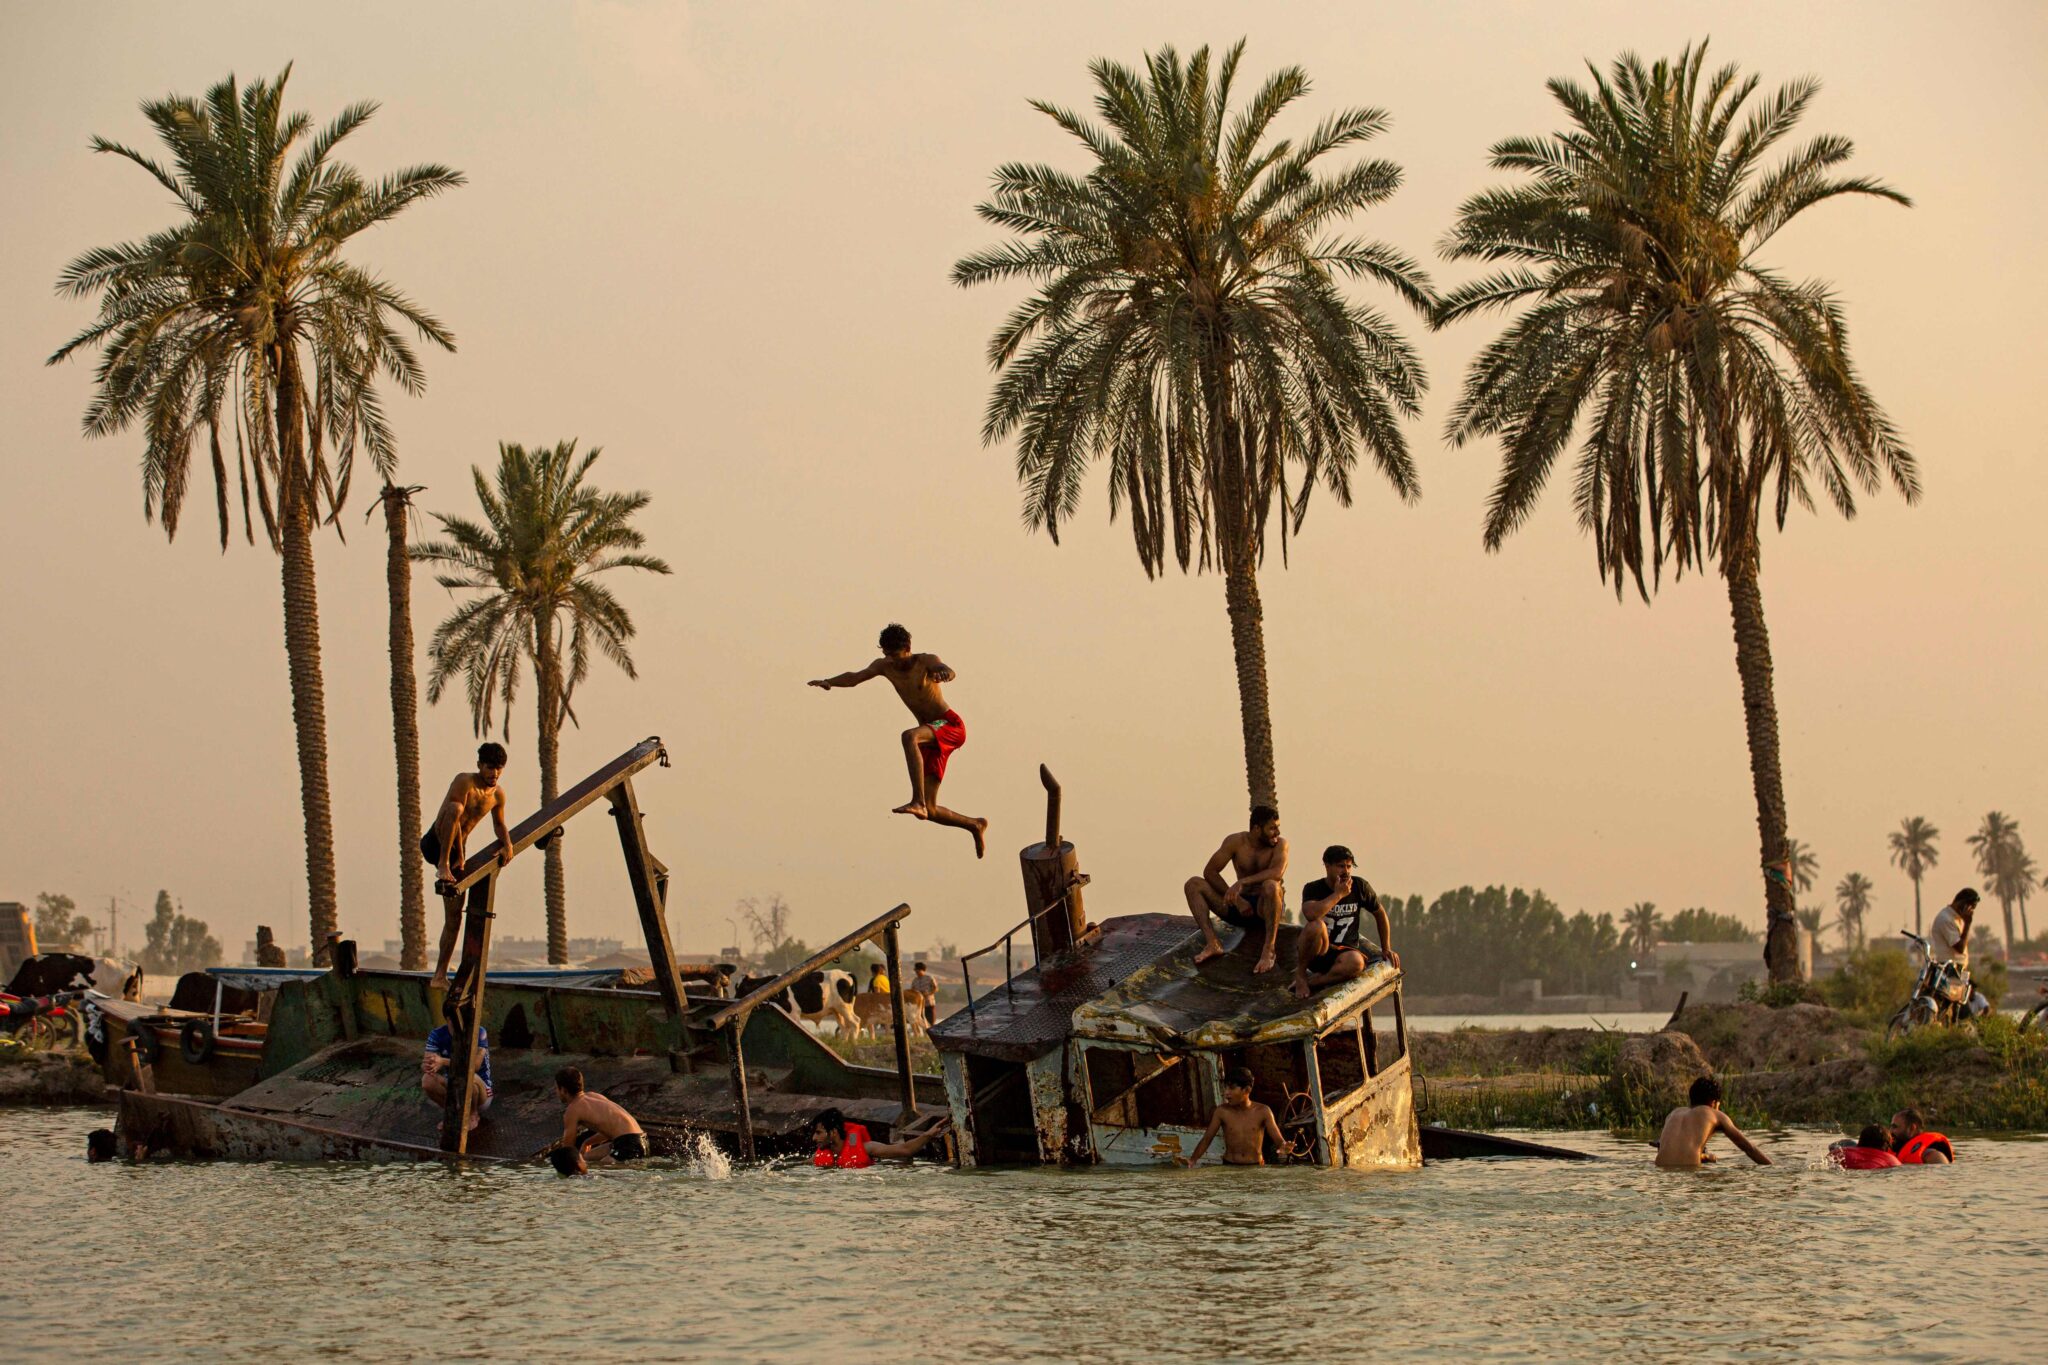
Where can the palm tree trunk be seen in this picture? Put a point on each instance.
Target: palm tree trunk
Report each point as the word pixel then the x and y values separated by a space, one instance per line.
pixel 1248 642
pixel 405 736
pixel 1916 909
pixel 1760 714
pixel 2005 904
pixel 302 651
pixel 548 684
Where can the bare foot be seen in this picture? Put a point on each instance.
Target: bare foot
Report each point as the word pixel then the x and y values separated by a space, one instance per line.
pixel 978 829
pixel 1301 990
pixel 911 808
pixel 1265 965
pixel 1212 949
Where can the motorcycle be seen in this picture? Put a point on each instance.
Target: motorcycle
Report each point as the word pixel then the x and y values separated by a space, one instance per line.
pixel 1942 995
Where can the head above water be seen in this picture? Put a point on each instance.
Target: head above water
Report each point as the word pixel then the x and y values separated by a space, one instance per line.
pixel 1876 1137
pixel 1265 826
pixel 569 1082
pixel 99 1145
pixel 1237 1081
pixel 1906 1123
pixel 1705 1090
pixel 828 1129
pixel 568 1161
pixel 490 761
pixel 895 640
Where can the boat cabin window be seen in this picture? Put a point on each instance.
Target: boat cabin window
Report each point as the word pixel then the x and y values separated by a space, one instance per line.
pixel 1130 1089
pixel 1340 1060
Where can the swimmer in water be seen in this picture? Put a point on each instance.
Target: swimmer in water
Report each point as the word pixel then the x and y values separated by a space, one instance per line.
pixel 1683 1144
pixel 1244 1122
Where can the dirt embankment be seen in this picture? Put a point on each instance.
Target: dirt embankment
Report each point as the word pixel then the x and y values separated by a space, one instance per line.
pixel 28 1077
pixel 1798 1064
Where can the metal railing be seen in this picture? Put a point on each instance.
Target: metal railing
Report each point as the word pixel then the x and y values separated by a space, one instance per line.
pixel 1059 902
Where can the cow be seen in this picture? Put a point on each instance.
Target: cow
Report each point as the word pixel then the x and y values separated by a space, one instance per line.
pixel 871 1008
pixel 813 998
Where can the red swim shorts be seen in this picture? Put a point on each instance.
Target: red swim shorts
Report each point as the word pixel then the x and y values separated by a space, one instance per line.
pixel 948 734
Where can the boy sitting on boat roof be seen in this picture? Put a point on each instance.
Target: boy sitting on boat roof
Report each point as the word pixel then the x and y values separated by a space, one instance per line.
pixel 1329 949
pixel 1255 900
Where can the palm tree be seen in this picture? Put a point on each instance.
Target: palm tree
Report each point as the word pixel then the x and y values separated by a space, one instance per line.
pixel 2003 861
pixel 1642 922
pixel 1189 329
pixel 244 324
pixel 1852 898
pixel 1812 919
pixel 1914 852
pixel 405 727
pixel 2026 876
pixel 1803 863
pixel 1714 392
pixel 533 563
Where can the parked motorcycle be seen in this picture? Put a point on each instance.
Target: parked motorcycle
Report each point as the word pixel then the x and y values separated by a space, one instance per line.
pixel 1942 995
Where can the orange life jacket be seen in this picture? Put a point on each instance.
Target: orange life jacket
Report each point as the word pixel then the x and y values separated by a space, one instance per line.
pixel 1914 1153
pixel 853 1152
pixel 1862 1158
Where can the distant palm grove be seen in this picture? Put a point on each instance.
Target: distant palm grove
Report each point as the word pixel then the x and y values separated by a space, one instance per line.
pixel 1202 316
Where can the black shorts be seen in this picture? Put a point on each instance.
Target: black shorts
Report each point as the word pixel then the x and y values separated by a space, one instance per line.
pixel 1242 915
pixel 430 847
pixel 629 1147
pixel 1323 961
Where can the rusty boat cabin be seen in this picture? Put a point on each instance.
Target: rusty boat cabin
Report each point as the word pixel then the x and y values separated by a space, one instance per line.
pixel 332 1070
pixel 1112 1049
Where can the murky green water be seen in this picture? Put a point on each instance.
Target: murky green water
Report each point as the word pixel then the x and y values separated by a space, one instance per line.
pixel 1469 1260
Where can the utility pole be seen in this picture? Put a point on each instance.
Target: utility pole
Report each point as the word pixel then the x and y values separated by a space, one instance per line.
pixel 113 927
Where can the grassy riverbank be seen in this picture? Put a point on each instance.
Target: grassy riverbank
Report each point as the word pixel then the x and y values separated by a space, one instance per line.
pixel 1798 1064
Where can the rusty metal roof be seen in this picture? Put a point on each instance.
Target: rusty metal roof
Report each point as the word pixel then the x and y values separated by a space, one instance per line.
pixel 1172 1004
pixel 1035 1013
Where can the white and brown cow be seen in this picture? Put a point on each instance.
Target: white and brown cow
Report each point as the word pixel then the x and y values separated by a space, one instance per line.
pixel 814 997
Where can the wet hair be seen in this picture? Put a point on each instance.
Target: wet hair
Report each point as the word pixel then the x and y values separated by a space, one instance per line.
pixel 570 1078
pixel 1263 815
pixel 99 1145
pixel 1705 1090
pixel 1910 1120
pixel 1966 896
pixel 894 637
pixel 1239 1076
pixel 831 1120
pixel 566 1161
pixel 490 754
pixel 1875 1136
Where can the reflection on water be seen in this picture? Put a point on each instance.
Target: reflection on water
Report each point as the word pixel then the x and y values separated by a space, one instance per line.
pixel 1468 1260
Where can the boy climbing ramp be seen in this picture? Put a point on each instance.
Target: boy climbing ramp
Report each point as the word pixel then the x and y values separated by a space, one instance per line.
pixel 929 743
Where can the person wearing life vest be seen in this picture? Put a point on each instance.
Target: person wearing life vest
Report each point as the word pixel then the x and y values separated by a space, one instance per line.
pixel 844 1143
pixel 1871 1151
pixel 1916 1146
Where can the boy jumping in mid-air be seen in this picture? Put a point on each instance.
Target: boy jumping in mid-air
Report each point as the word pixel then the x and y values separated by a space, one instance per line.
pixel 1683 1144
pixel 471 796
pixel 929 743
pixel 1245 1124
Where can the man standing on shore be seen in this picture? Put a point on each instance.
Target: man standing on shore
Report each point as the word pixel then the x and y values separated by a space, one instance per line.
pixel 929 743
pixel 471 796
pixel 1253 902
pixel 1948 938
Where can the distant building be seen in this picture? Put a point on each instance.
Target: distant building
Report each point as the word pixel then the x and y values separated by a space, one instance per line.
pixel 1711 972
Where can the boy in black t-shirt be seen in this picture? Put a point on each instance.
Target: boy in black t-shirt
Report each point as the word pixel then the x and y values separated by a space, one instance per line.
pixel 1329 949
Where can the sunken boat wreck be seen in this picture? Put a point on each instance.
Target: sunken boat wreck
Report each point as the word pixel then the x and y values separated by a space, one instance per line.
pixel 1109 1048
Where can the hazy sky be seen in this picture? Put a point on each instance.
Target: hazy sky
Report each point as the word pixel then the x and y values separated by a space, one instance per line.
pixel 715 240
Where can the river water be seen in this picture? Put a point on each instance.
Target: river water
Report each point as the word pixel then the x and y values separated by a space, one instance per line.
pixel 1468 1260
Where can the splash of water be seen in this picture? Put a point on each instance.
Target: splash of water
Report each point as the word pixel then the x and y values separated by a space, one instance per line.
pixel 705 1156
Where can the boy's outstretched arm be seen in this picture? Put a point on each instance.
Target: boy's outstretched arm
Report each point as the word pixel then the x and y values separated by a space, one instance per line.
pixel 1208 1136
pixel 853 679
pixel 1279 1141
pixel 1735 1135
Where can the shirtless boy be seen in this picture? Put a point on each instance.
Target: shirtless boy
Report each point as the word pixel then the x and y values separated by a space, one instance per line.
pixel 1683 1144
pixel 471 796
pixel 929 743
pixel 1245 1125
pixel 607 1122
pixel 1259 858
